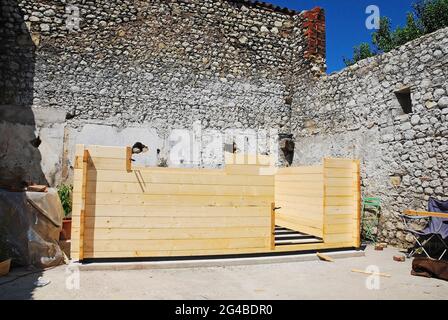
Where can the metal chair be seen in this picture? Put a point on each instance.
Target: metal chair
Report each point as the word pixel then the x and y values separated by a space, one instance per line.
pixel 436 228
pixel 372 204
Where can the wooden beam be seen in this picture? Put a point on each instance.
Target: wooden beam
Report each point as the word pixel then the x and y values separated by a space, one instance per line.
pixel 372 273
pixel 85 168
pixel 324 257
pixel 128 159
pixel 426 214
pixel 358 207
pixel 272 226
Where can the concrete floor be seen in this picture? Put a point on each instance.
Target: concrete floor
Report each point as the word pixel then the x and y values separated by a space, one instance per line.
pixel 298 280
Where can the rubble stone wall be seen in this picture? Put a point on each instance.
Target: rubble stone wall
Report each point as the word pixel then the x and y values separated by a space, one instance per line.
pixel 356 113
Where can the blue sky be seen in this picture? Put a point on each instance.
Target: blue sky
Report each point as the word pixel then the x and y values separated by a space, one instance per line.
pixel 346 22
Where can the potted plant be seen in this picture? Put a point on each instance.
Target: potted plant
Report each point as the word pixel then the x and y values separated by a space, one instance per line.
pixel 65 194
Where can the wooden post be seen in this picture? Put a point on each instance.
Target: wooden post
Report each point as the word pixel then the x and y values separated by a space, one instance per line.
pixel 128 159
pixel 272 226
pixel 358 209
pixel 85 168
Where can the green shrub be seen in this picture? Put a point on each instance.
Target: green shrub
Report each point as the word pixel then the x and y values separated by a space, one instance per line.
pixel 65 194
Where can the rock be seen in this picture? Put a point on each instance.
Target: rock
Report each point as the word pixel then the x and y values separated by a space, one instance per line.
pixel 415 119
pixel 443 102
pixel 243 40
pixel 430 104
pixel 438 93
pixel 49 13
pixel 400 258
pixel 44 27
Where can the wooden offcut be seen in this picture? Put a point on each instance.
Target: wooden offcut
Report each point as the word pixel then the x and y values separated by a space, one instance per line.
pixel 426 214
pixel 124 211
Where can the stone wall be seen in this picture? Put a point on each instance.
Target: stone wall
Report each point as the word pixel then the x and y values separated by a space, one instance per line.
pixel 155 66
pixel 356 113
pixel 143 70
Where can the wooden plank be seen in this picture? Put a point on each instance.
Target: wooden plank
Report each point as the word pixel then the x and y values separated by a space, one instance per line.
pixel 338 210
pixel 173 253
pixel 346 228
pixel 178 177
pixel 178 189
pixel 314 185
pixel 357 227
pixel 324 257
pixel 303 192
pixel 110 152
pixel 170 244
pixel 299 178
pixel 128 159
pixel 304 170
pixel 340 173
pixel 426 214
pixel 339 163
pixel 256 170
pixel 174 234
pixel 272 242
pixel 340 219
pixel 110 210
pixel 108 164
pixel 341 201
pixel 313 246
pixel 340 191
pixel 339 237
pixel 298 200
pixel 241 159
pixel 175 222
pixel 182 253
pixel 307 211
pixel 372 273
pixel 176 200
pixel 340 182
pixel 83 203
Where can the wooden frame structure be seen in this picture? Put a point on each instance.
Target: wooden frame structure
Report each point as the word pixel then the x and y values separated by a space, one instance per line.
pixel 120 211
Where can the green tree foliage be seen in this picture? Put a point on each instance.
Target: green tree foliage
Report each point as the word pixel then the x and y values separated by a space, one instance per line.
pixel 433 14
pixel 383 38
pixel 360 52
pixel 411 31
pixel 428 16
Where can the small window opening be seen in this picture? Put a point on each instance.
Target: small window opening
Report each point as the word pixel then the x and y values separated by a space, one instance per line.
pixel 404 98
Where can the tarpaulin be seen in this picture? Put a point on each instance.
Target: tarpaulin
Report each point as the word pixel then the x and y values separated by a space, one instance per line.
pixel 30 224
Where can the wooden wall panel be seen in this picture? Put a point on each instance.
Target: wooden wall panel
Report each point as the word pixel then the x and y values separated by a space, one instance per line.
pixel 299 194
pixel 170 211
pixel 342 201
pixel 121 211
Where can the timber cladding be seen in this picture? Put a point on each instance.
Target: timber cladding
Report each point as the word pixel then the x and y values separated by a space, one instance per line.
pixel 151 212
pixel 323 201
pixel 121 211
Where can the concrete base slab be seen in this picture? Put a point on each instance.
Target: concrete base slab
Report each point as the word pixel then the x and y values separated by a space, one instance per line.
pixel 177 264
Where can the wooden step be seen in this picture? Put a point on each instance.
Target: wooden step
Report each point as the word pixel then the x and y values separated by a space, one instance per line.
pixel 299 241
